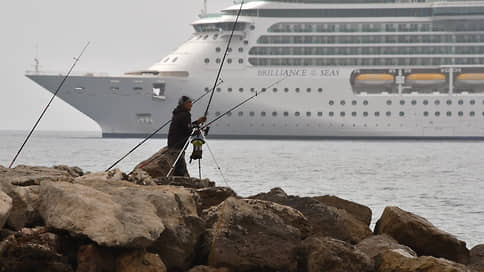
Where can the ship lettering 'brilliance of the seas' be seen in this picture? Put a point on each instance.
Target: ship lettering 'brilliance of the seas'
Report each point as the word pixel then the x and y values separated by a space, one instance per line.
pixel 352 69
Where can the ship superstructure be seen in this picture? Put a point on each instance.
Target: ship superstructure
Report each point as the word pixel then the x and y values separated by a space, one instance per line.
pixel 351 68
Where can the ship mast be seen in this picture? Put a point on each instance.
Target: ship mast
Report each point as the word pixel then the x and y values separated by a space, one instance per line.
pixel 204 10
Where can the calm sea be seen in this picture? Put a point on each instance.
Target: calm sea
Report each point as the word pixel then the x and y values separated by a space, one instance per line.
pixel 439 180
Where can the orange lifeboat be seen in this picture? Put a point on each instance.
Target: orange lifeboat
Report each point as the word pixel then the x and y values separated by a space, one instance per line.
pixel 374 79
pixel 426 79
pixel 470 79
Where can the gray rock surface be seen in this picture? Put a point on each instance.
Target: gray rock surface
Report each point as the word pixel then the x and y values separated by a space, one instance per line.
pixel 5 208
pixel 332 255
pixel 159 164
pixel 377 244
pixel 23 175
pixel 254 235
pixel 419 234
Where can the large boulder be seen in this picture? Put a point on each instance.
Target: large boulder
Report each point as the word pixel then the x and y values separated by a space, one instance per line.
pixel 360 212
pixel 25 202
pixel 187 182
pixel 35 250
pixel 213 196
pixel 160 163
pixel 398 260
pixel 175 207
pixel 377 244
pixel 325 221
pixel 318 254
pixel 419 234
pixel 254 235
pixel 139 261
pixel 5 208
pixel 477 258
pixel 23 175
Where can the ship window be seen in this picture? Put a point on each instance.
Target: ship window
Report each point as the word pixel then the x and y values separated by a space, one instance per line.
pixel 472 113
pixel 274 90
pixel 401 114
pixel 297 90
pixel 241 49
pixel 158 90
pixel 174 60
pixel 461 113
pixel 437 102
pixel 251 113
pixel 449 113
pixel 342 114
pixel 402 102
pixel 472 102
pixel 229 114
pixel 365 102
pixel 425 102
pixel 215 36
pixel 449 102
pixel 308 114
pixel 437 113
pixel 207 60
pixel 377 113
pixel 241 113
pixel 205 37
pixel 388 113
pixel 274 113
pixel 144 118
pixel 461 102
pixel 286 90
pixel 331 114
pixel 114 89
pixel 365 113
pixel 389 102
pixel 263 113
pixel 308 90
pixel 252 27
pixel 219 89
pixel 217 49
pixel 217 113
pixel 218 60
pixel 137 88
pixel 342 102
pixel 297 113
pixel 241 89
pixel 263 90
pixel 166 60
pixel 252 89
pixel 241 61
pixel 229 61
pixel 229 89
pixel 426 113
pixel 353 102
pixel 207 89
pixel 286 113
pixel 331 102
pixel 414 102
pixel 320 113
pixel 353 114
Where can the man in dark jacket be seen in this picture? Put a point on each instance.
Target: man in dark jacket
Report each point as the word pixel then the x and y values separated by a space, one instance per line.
pixel 180 130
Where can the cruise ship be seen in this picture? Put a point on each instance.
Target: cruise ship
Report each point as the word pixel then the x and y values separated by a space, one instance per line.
pixel 345 69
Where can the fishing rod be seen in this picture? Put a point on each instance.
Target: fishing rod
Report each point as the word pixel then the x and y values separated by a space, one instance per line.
pixel 156 131
pixel 223 59
pixel 76 60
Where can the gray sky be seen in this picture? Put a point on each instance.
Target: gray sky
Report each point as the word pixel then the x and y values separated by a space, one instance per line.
pixel 124 35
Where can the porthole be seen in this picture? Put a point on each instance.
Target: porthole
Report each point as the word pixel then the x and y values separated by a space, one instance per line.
pixel 207 60
pixel 274 90
pixel 229 114
pixel 388 113
pixel 354 103
pixel 205 37
pixel 229 61
pixel 297 90
pixel 460 113
pixel 174 60
pixel 320 114
pixel 401 114
pixel 241 49
pixel 331 102
pixel 263 90
pixel 472 102
pixel 331 114
pixel 342 114
pixel 437 102
pixel 215 36
pixel 308 114
pixel 297 113
pixel 449 102
pixel 472 113
pixel 377 113
pixel 241 61
pixel 425 102
pixel 402 102
pixel 286 113
pixel 461 102
pixel 449 113
pixel 252 27
pixel 365 102
pixel 353 114
pixel 437 113
pixel 426 113
pixel 219 90
pixel 241 113
pixel 251 113
pixel 217 113
pixel 286 90
pixel 229 50
pixel 217 49
pixel 389 102
pixel 252 89
pixel 365 114
pixel 308 90
pixel 320 90
pixel 414 102
pixel 241 89
pixel 263 113
pixel 167 59
pixel 342 102
pixel 229 90
pixel 274 113
pixel 207 89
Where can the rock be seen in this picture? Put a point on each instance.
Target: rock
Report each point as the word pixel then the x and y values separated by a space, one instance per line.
pixel 175 207
pixel 213 196
pixel 477 258
pixel 398 260
pixel 5 208
pixel 35 250
pixel 32 175
pixel 73 171
pixel 91 258
pixel 140 177
pixel 419 234
pixel 254 235
pixel 186 182
pixel 159 164
pixel 25 202
pixel 120 220
pixel 325 221
pixel 139 261
pixel 332 255
pixel 360 212
pixel 374 245
pixel 202 268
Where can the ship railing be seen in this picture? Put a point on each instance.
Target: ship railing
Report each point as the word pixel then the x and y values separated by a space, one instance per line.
pixel 78 73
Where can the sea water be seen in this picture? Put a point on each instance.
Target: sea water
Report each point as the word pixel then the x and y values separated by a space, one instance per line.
pixel 439 180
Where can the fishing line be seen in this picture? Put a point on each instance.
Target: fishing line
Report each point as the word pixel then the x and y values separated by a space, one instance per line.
pixel 76 60
pixel 223 59
pixel 155 132
pixel 216 163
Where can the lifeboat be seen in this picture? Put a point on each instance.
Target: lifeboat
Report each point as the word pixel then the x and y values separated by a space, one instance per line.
pixel 470 79
pixel 374 79
pixel 424 80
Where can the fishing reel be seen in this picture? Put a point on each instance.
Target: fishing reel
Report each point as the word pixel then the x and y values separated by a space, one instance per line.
pixel 197 142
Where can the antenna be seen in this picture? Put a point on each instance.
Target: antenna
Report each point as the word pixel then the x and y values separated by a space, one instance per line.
pixel 204 10
pixel 36 59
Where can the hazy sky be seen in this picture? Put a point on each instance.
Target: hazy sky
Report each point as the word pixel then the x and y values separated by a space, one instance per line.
pixel 125 36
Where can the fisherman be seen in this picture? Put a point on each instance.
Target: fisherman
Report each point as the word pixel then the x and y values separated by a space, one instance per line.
pixel 180 130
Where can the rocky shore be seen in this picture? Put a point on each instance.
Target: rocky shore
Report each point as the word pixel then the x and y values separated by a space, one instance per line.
pixel 63 219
